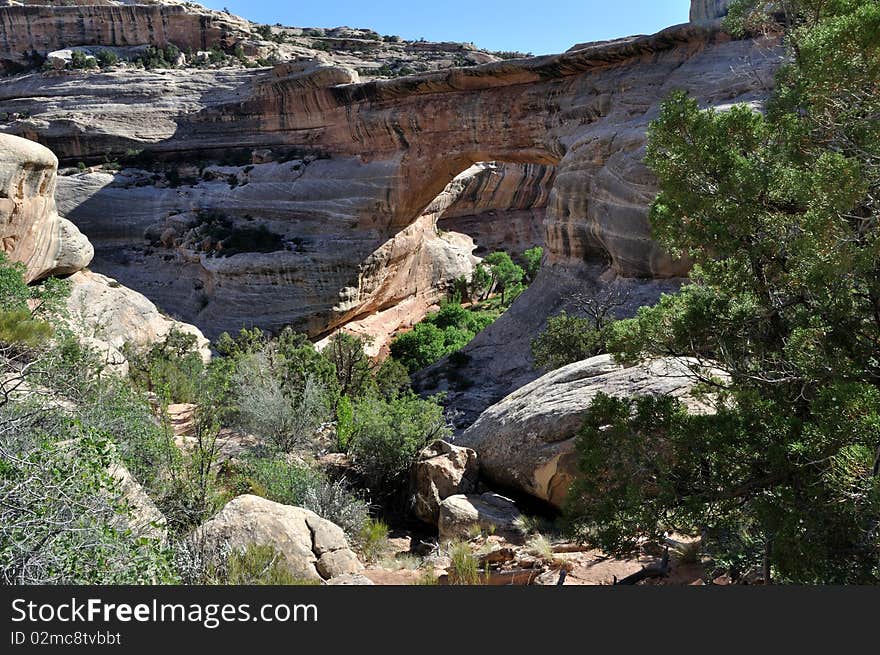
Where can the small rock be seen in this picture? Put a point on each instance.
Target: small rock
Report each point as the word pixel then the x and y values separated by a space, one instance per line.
pixel 491 512
pixel 338 562
pixel 351 579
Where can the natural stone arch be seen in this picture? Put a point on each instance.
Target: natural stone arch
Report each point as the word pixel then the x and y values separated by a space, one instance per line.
pixel 381 152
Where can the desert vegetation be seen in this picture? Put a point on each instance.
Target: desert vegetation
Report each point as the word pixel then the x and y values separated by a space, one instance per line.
pixel 494 284
pixel 67 423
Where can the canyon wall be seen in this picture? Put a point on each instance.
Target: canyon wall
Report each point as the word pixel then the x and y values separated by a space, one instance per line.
pixel 40 27
pixel 343 188
pixel 379 154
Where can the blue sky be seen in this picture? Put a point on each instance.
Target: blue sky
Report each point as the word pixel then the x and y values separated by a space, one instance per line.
pixel 538 27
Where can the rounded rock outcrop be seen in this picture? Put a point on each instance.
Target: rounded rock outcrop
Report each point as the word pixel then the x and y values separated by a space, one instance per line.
pixel 526 441
pixel 313 549
pixel 31 231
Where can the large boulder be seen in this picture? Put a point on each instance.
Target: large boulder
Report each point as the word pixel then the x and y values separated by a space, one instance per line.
pixel 313 548
pixel 31 231
pixel 145 520
pixel 107 315
pixel 442 470
pixel 526 440
pixel 461 514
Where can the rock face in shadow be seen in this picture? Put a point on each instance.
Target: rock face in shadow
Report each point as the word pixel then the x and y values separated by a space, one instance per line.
pixel 526 441
pixel 31 231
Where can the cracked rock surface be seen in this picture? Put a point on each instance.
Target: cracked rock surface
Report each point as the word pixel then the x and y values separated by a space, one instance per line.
pixel 313 548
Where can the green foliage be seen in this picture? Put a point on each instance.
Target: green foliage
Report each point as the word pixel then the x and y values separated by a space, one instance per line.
pixel 63 518
pixel 287 415
pixel 107 59
pixel 158 57
pixel 291 483
pixel 481 282
pixel 440 334
pixel 464 568
pixel 278 479
pixel 372 540
pixel 506 275
pixel 454 326
pixel 426 344
pixel 24 309
pixel 79 60
pixel 14 291
pixel 123 414
pixel 19 327
pixel 566 340
pixel 353 368
pixel 392 378
pixel 779 212
pixel 171 368
pixel 387 436
pixel 258 564
pixel 344 423
pixel 533 257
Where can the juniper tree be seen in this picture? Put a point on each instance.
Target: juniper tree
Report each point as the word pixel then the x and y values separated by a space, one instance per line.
pixel 779 211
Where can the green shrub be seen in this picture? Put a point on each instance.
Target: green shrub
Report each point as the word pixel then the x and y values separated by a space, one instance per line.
pixel 344 423
pixel 198 563
pixel 533 257
pixel 566 340
pixel 107 59
pixel 171 368
pixel 158 57
pixel 424 345
pixel 351 364
pixel 279 479
pixel 79 60
pixel 63 518
pixel 392 378
pixel 506 275
pixel 387 436
pixel 124 415
pixel 300 485
pixel 372 540
pixel 259 565
pixel 464 568
pixel 288 416
pixel 440 334
pixel 24 309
